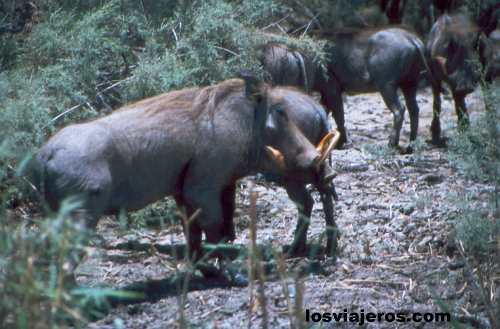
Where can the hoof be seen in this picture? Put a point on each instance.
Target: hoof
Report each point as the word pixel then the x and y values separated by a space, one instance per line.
pixel 236 277
pixel 438 141
pixel 407 150
pixel 209 271
pixel 396 148
pixel 297 250
pixel 343 143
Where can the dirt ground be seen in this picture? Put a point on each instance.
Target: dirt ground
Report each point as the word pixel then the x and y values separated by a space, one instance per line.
pixel 395 213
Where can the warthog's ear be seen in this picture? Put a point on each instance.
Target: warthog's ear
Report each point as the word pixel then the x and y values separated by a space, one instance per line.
pixel 254 87
pixel 441 61
pixel 326 145
pixel 276 157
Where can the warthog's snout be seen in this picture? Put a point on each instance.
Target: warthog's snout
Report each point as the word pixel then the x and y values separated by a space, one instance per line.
pixel 310 161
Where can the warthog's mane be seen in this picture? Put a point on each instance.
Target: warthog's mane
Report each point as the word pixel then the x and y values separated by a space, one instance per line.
pixel 191 102
pixel 277 44
pixel 358 32
pixel 209 98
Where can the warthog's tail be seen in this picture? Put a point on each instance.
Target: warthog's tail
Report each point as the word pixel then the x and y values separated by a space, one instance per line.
pixel 425 63
pixel 303 70
pixel 36 174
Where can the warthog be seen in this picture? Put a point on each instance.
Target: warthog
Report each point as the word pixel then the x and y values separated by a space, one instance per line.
pixel 490 55
pixel 362 61
pixel 312 120
pixel 192 144
pixel 288 67
pixel 451 47
pixel 489 19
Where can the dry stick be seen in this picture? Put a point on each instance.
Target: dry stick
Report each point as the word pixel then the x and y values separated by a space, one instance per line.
pixel 281 272
pixel 251 255
pixel 299 302
pixel 32 186
pixel 227 50
pixel 479 286
pixel 308 12
pixel 306 29
pixel 304 26
pixel 308 26
pixel 175 36
pixel 275 23
pixel 63 113
pixel 181 299
pixel 71 109
pixel 255 255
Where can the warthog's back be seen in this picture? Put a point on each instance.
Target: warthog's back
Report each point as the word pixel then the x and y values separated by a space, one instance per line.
pixel 362 61
pixel 142 152
pixel 124 159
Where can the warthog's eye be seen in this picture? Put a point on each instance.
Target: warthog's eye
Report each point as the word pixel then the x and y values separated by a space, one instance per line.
pixel 280 111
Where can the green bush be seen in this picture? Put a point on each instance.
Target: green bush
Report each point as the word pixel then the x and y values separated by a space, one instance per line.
pixel 477 150
pixel 33 270
pixel 478 234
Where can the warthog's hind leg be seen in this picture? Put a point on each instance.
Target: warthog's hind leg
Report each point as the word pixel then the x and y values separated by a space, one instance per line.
pixel 461 110
pixel 391 99
pixel 410 94
pixel 436 113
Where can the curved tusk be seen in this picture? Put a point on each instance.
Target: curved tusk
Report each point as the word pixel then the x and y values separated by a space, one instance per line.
pixel 330 140
pixel 276 156
pixel 442 63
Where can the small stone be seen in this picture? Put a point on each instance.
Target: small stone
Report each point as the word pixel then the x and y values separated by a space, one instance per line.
pixel 431 179
pixel 424 242
pixel 420 216
pixel 409 228
pixel 353 167
pixel 407 209
pixel 456 265
pixel 400 236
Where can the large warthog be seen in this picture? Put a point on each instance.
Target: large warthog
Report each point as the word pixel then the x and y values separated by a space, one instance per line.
pixel 192 144
pixel 361 61
pixel 451 46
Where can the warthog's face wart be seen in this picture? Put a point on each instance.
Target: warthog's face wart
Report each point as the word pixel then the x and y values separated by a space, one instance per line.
pixel 291 152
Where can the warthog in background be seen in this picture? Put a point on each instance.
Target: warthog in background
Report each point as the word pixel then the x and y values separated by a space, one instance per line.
pixel 362 61
pixel 192 144
pixel 287 67
pixel 451 47
pixel 490 55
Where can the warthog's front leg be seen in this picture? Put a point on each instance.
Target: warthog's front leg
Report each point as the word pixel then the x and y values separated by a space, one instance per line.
pixel 228 205
pixel 328 194
pixel 203 195
pixel 301 197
